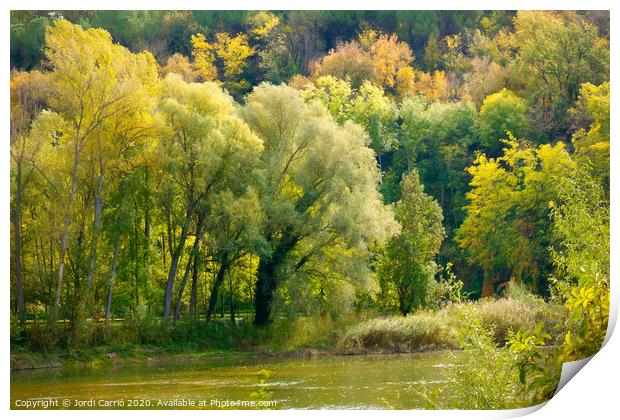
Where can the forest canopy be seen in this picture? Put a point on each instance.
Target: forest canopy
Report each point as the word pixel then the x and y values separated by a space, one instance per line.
pixel 170 165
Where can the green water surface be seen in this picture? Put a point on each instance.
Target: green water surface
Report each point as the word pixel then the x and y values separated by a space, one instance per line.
pixel 335 382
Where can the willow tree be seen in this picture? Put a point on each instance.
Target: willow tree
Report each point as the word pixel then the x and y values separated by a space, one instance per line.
pixel 318 188
pixel 205 146
pixel 366 105
pixel 98 90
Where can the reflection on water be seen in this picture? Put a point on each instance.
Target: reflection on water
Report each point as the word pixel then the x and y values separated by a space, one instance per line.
pixel 374 381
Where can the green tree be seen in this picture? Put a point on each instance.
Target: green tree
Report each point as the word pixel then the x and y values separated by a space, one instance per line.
pixel 556 56
pixel 581 258
pixel 507 227
pixel 439 139
pixel 203 148
pixel 101 90
pixel 29 94
pixel 407 266
pixel 592 146
pixel 318 189
pixel 501 113
pixel 367 106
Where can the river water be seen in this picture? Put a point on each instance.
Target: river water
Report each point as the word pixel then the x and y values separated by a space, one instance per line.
pixel 336 382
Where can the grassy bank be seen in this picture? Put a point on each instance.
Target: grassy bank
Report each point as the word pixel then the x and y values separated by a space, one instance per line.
pixel 353 334
pixel 149 340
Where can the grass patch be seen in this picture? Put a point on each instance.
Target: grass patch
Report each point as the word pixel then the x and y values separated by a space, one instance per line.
pixel 438 329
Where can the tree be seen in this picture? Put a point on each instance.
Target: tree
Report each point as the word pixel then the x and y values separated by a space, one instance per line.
pixel 204 146
pixel 318 188
pixel 507 230
pixel 406 268
pixel 234 53
pixel 389 56
pixel 439 139
pixel 98 88
pixel 581 257
pixel 486 77
pixel 592 146
pixel 179 64
pixel 347 62
pixel 235 225
pixel 501 113
pixel 405 81
pixel 367 106
pixel 556 57
pixel 28 96
pixel 433 86
pixel 230 54
pixel 204 57
pixel 432 54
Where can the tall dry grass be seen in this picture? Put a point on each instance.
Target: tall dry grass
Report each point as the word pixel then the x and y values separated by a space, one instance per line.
pixel 438 329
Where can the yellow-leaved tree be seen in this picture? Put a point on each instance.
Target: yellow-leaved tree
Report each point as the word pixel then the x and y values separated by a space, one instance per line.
pixel 101 101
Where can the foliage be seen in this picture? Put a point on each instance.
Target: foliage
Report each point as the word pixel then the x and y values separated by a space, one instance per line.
pixel 441 328
pixel 179 64
pixel 501 114
pixel 507 226
pixel 487 377
pixel 263 392
pixel 204 57
pixel 406 269
pixel 347 62
pixel 139 196
pixel 559 55
pixel 581 224
pixel 389 57
pixel 315 177
pixel 448 289
pixel 592 146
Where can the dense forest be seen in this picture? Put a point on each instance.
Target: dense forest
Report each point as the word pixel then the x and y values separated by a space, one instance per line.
pixel 174 168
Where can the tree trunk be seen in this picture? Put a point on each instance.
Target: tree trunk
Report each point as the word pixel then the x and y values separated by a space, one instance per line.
pixel 217 283
pixel 19 279
pixel 108 303
pixel 63 239
pixel 96 226
pixel 194 258
pixel 194 292
pixel 488 286
pixel 83 298
pixel 232 300
pixel 177 306
pixel 403 306
pixel 267 282
pixel 265 289
pixel 174 262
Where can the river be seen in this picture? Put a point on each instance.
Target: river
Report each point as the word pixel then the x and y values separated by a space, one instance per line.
pixel 335 382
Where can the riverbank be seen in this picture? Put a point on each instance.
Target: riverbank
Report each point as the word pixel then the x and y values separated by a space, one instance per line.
pixel 21 360
pixel 424 330
pixel 111 356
